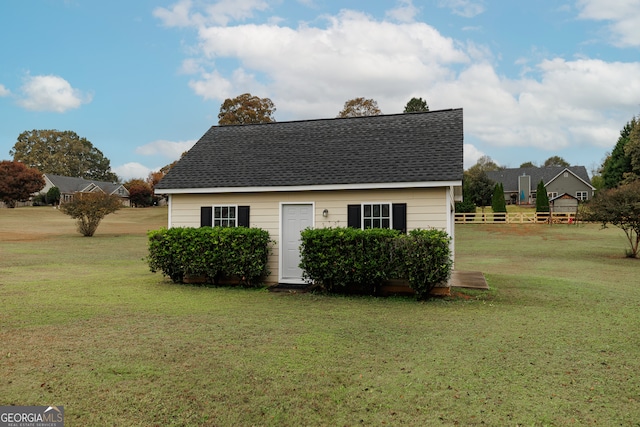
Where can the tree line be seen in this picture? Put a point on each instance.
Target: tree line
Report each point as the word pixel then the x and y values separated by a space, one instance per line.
pixel 248 109
pixel 66 153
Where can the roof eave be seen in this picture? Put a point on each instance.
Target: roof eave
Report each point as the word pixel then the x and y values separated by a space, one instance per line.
pixel 299 188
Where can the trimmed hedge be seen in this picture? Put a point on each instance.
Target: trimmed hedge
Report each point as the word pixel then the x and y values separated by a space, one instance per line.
pixel 425 260
pixel 341 258
pixel 220 252
pixel 338 259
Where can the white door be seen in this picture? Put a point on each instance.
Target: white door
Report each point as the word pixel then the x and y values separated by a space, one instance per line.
pixel 295 218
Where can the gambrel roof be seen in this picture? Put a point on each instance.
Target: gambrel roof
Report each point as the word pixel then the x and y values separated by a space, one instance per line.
pixel 509 177
pixel 391 150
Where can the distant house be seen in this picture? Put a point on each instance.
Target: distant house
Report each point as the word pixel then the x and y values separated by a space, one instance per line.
pixel 401 171
pixel 69 186
pixel 520 184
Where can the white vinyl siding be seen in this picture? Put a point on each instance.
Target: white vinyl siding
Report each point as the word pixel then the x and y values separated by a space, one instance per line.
pixel 426 208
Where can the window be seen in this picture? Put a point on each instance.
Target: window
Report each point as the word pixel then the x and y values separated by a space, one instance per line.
pixel 376 215
pixel 224 216
pixel 581 195
pixel 552 194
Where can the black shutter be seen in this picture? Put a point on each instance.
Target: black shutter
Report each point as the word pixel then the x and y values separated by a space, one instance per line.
pixel 400 217
pixel 243 216
pixel 206 216
pixel 354 219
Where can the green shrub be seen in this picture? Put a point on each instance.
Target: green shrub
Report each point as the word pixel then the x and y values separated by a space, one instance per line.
pixel 340 259
pixel 53 196
pixel 348 258
pixel 498 204
pixel 166 248
pixel 234 252
pixel 39 200
pixel 466 206
pixel 425 260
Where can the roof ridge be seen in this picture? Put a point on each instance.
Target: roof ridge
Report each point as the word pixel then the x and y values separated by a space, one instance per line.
pixel 445 110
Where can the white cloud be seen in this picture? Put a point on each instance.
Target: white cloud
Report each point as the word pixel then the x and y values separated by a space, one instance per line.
pixel 177 16
pixel 624 18
pixel 132 170
pixel 405 12
pixel 571 103
pixel 465 8
pixel 312 66
pixel 51 93
pixel 310 71
pixel 4 91
pixel 471 155
pixel 222 12
pixel 212 86
pixel 169 149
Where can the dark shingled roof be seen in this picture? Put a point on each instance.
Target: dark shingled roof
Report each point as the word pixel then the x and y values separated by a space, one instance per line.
pixel 509 177
pixel 69 185
pixel 414 147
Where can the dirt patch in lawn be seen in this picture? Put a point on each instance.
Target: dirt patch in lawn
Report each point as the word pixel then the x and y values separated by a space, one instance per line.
pixel 530 230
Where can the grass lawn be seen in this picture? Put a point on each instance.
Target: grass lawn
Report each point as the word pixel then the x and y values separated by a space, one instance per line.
pixel 84 324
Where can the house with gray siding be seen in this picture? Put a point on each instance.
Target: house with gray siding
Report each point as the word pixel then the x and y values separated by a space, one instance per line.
pixel 520 184
pixel 69 186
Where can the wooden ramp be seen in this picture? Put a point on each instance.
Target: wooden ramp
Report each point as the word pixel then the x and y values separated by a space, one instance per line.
pixel 468 279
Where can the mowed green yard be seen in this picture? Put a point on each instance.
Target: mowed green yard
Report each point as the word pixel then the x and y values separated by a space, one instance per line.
pixel 84 324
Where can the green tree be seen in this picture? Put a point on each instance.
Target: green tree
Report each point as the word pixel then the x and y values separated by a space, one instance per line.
pixel 598 182
pixel 632 151
pixel 528 165
pixel 18 182
pixel 62 153
pixel 620 207
pixel 416 105
pixel 617 164
pixel 483 164
pixel 246 109
pixel 555 161
pixel 53 196
pixel 360 107
pixel 89 209
pixel 476 185
pixel 479 188
pixel 542 199
pixel 498 204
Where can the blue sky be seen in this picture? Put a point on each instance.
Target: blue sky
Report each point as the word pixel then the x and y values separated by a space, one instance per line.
pixel 143 80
